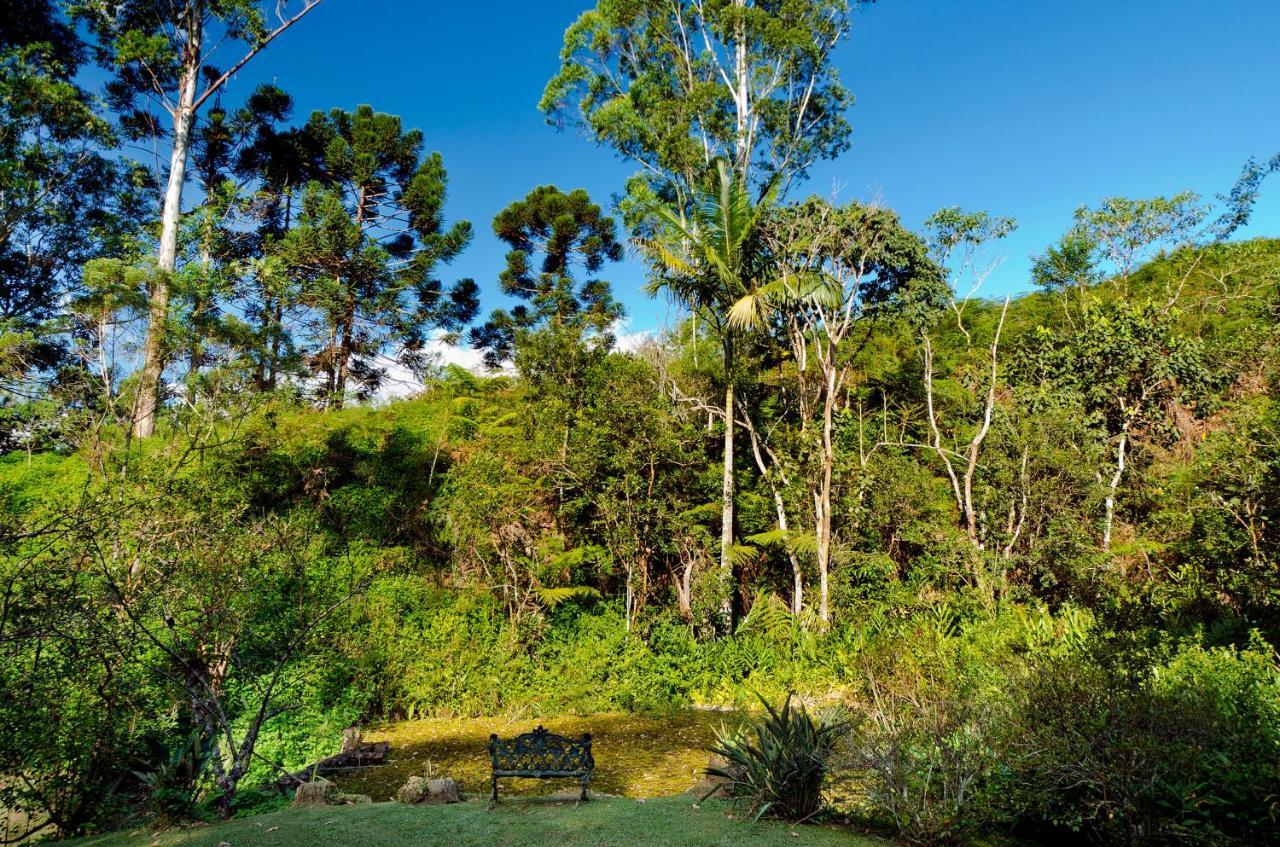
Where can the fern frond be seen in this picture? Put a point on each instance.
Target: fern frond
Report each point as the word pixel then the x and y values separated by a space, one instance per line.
pixel 741 554
pixel 552 597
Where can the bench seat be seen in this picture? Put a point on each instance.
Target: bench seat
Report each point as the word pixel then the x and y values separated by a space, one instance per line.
pixel 541 755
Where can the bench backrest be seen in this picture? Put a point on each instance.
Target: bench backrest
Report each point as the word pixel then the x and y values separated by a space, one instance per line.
pixel 541 751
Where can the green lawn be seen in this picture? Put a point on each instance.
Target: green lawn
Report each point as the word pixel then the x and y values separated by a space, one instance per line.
pixel 613 822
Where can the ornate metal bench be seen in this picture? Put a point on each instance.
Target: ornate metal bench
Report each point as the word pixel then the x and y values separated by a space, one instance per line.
pixel 541 755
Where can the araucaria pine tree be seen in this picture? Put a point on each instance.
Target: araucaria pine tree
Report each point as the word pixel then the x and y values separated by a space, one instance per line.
pixel 364 251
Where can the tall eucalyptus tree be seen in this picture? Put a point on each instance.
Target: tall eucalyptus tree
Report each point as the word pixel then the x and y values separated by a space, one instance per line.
pixel 159 55
pixel 839 270
pixel 673 86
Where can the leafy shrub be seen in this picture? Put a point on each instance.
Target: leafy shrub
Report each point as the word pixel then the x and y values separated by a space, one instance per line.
pixel 929 736
pixel 1185 752
pixel 779 761
pixel 171 786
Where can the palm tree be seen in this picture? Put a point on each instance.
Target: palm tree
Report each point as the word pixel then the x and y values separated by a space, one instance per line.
pixel 705 254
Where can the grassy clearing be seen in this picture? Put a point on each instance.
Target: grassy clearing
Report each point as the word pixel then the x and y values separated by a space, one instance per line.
pixel 615 822
pixel 636 755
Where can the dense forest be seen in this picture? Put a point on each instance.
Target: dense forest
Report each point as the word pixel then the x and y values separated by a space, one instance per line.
pixel 1030 546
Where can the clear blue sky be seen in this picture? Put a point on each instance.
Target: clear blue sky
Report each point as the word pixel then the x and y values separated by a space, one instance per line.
pixel 1026 108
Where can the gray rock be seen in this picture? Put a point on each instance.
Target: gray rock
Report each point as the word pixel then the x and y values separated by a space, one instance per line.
pixel 432 791
pixel 318 792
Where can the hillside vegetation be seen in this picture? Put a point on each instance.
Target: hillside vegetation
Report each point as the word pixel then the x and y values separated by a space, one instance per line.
pixel 484 550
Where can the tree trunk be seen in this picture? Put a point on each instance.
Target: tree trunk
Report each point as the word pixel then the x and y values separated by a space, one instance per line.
pixel 1111 491
pixel 343 366
pixel 822 497
pixel 262 368
pixel 629 601
pixel 682 582
pixel 780 508
pixel 726 506
pixel 273 307
pixel 104 362
pixel 195 354
pixel 148 400
pixel 741 94
pixel 797 573
pixel 277 328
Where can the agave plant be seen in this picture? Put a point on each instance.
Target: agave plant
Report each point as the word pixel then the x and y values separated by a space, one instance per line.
pixel 778 762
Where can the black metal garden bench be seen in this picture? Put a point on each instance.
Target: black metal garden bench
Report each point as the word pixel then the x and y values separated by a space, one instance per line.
pixel 541 755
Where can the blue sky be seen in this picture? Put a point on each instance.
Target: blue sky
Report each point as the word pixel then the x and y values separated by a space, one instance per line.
pixel 1025 108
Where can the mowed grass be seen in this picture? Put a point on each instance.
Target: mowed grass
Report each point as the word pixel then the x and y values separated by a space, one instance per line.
pixel 522 822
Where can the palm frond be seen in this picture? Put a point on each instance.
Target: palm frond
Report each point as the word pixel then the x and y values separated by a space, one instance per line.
pixel 575 556
pixel 799 542
pixel 749 311
pixel 769 616
pixel 769 537
pixel 802 543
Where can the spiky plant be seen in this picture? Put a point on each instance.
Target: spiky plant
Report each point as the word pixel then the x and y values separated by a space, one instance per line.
pixel 778 762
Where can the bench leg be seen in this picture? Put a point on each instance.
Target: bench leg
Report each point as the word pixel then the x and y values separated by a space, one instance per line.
pixel 493 794
pixel 586 778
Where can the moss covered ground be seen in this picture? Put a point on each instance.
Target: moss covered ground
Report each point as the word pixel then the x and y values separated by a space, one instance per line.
pixel 636 755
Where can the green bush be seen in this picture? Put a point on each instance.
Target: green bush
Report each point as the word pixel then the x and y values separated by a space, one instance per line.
pixel 1184 751
pixel 930 733
pixel 778 761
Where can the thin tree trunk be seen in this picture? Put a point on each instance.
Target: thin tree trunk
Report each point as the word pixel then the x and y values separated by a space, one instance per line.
pixel 975 445
pixel 343 365
pixel 629 601
pixel 726 506
pixel 1013 530
pixel 104 362
pixel 822 497
pixel 195 354
pixel 780 507
pixel 261 373
pixel 144 415
pixel 274 306
pixel 1121 449
pixel 682 581
pixel 277 328
pixel 347 342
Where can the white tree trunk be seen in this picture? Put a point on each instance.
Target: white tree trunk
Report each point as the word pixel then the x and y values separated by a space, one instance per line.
pixel 822 497
pixel 1121 449
pixel 780 508
pixel 726 507
pixel 148 400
